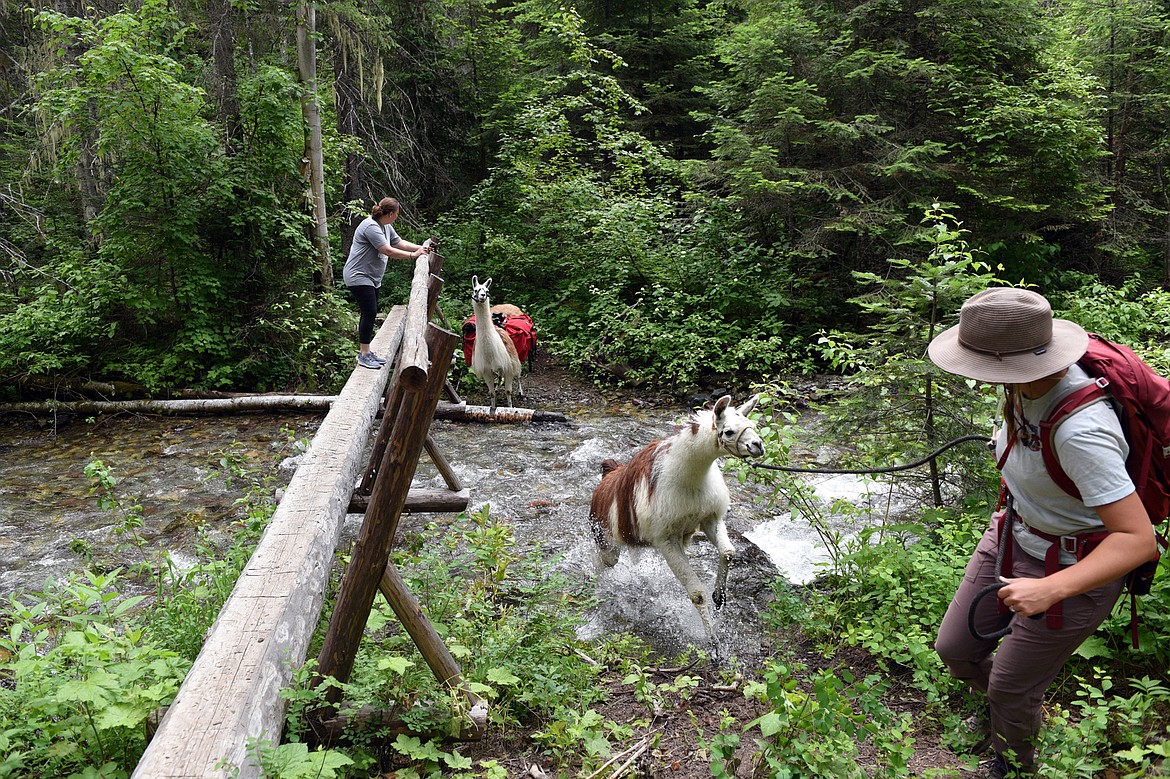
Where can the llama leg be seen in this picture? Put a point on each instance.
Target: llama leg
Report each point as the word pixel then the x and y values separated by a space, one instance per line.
pixel 610 550
pixel 676 557
pixel 716 532
pixel 491 394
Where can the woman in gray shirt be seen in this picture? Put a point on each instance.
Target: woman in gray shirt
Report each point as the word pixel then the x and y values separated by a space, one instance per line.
pixel 373 243
pixel 1009 337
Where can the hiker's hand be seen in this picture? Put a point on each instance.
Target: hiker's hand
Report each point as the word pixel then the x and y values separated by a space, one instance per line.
pixel 1026 596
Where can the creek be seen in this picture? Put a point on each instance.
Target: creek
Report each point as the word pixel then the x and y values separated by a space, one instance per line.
pixel 539 477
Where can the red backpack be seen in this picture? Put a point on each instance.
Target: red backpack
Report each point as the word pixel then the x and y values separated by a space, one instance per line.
pixel 1141 399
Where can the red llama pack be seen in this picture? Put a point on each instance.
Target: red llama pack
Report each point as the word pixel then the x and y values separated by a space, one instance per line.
pixel 497 361
pixel 515 323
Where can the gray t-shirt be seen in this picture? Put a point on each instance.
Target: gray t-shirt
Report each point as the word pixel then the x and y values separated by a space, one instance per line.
pixel 366 265
pixel 1092 450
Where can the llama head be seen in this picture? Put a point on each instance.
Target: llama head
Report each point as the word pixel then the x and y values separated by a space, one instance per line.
pixel 735 433
pixel 479 292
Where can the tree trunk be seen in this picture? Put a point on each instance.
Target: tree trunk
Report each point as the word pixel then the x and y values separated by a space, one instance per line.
pixel 194 406
pixel 1163 188
pixel 223 53
pixel 313 162
pixel 88 186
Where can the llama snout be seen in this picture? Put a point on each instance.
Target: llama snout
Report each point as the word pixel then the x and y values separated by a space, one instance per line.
pixel 747 444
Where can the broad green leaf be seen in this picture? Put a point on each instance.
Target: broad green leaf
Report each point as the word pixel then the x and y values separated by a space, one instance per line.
pixel 502 676
pixel 120 715
pixel 1094 646
pixel 398 665
pixel 457 761
pixel 770 724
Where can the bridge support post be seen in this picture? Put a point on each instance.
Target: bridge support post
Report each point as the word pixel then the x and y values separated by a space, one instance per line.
pixel 411 402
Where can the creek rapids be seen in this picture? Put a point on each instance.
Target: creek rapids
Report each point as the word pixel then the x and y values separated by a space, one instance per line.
pixel 177 474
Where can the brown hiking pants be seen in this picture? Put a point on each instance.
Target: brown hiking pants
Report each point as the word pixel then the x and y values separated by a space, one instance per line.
pixel 1016 675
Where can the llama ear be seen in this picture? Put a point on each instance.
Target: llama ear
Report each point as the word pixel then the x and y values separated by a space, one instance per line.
pixel 475 281
pixel 747 407
pixel 487 283
pixel 721 405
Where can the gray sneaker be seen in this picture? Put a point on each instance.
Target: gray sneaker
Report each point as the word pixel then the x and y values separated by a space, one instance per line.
pixel 368 361
pixel 377 359
pixel 999 768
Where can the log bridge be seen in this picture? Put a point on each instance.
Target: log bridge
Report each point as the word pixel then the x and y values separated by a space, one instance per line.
pixel 230 699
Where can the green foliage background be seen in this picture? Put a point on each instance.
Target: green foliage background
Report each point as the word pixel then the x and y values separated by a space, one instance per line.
pixel 680 193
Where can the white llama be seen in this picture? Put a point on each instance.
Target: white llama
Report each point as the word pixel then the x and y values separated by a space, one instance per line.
pixel 495 360
pixel 672 488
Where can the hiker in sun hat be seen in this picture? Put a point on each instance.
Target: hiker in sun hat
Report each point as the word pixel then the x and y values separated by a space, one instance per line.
pixel 1009 337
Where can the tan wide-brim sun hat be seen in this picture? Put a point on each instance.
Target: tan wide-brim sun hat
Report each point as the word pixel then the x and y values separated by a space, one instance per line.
pixel 1008 336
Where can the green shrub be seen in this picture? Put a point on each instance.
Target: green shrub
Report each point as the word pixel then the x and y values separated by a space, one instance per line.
pixel 508 619
pixel 816 727
pixel 83 680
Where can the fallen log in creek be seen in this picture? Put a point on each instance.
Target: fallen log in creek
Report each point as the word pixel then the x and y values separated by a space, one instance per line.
pixel 189 406
pixel 107 390
pixel 455 411
pixel 468 413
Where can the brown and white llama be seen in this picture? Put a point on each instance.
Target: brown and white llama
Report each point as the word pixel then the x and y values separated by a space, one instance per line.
pixel 672 488
pixel 495 360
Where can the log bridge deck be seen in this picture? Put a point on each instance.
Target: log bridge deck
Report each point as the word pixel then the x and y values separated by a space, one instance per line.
pixel 231 696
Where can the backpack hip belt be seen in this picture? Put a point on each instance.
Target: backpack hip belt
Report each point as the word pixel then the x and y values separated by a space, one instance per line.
pixel 1137 581
pixel 1079 544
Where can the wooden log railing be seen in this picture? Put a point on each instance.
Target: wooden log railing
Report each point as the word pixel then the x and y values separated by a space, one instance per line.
pixel 231 695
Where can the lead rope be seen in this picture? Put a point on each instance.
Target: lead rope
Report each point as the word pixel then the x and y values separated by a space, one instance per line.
pixel 890 469
pixel 1005 523
pixel 1005 538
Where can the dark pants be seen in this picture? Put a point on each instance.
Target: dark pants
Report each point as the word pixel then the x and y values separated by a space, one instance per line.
pixel 1016 675
pixel 366 297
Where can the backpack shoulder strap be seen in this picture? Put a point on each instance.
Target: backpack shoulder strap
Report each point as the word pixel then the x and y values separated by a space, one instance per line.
pixel 1066 407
